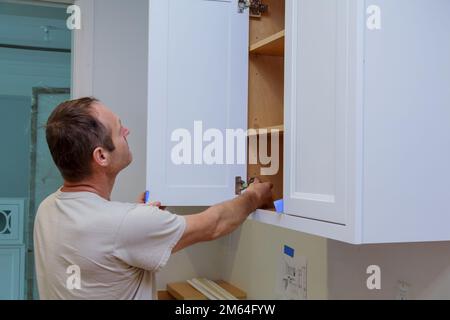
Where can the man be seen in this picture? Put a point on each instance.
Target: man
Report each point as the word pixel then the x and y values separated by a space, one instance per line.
pixel 88 247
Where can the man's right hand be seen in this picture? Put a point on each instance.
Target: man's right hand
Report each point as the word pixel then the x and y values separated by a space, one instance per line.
pixel 262 193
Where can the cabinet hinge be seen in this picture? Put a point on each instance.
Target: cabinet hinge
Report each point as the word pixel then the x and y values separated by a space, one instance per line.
pixel 256 7
pixel 239 186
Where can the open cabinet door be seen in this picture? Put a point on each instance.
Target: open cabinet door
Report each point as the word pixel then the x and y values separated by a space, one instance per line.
pixel 198 78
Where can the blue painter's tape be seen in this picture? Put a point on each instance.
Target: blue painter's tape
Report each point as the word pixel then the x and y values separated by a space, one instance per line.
pixel 289 251
pixel 279 206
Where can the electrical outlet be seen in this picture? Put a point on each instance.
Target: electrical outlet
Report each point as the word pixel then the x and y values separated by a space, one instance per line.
pixel 403 290
pixel 292 276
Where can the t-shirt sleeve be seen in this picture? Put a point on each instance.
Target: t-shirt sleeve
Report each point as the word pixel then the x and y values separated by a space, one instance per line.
pixel 147 236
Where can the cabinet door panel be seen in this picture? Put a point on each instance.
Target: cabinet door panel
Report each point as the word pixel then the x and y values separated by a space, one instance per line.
pixel 198 72
pixel 317 109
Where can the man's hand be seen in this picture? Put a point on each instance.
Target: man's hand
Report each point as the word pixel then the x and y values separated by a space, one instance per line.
pixel 141 199
pixel 261 193
pixel 223 218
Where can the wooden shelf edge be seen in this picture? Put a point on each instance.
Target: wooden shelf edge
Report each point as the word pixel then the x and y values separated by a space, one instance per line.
pixel 269 129
pixel 271 46
pixel 184 291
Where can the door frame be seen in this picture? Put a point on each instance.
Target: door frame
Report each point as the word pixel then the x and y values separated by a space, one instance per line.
pixel 32 187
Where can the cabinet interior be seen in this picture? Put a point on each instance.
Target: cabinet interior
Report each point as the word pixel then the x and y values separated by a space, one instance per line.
pixel 266 85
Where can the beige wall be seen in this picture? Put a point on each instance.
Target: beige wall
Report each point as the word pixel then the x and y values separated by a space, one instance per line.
pixel 253 254
pixel 201 260
pixel 424 266
pixel 249 259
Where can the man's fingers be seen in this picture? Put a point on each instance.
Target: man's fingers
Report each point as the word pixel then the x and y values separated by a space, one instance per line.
pixel 155 204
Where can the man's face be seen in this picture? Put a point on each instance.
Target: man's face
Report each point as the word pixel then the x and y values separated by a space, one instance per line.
pixel 121 157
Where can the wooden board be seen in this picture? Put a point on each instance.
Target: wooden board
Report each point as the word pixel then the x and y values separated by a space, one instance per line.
pixel 254 170
pixel 269 129
pixel 165 295
pixel 266 91
pixel 269 23
pixel 270 46
pixel 184 291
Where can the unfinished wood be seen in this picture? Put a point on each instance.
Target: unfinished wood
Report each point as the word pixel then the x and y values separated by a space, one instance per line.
pixel 165 295
pixel 270 46
pixel 270 23
pixel 266 91
pixel 235 291
pixel 254 170
pixel 269 129
pixel 184 291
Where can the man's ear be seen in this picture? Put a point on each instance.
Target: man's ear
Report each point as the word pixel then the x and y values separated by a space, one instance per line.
pixel 101 157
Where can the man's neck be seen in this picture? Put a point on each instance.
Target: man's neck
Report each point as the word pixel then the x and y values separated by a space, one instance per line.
pixel 100 185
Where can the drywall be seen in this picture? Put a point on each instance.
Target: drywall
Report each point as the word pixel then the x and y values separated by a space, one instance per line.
pixel 424 266
pixel 201 260
pixel 252 256
pixel 120 79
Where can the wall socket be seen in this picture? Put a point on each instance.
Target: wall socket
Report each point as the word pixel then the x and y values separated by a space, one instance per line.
pixel 291 282
pixel 403 289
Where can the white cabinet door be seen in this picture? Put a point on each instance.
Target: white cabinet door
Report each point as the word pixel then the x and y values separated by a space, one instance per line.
pixel 198 71
pixel 319 91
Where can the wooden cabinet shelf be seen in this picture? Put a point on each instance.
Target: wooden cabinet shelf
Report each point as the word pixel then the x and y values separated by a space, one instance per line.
pixel 280 128
pixel 270 46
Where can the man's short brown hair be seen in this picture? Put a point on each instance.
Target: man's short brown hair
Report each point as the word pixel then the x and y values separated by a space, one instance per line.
pixel 73 132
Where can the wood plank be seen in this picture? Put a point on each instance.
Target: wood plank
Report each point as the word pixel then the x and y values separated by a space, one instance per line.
pixel 269 23
pixel 270 46
pixel 184 291
pixel 280 128
pixel 165 295
pixel 235 291
pixel 254 170
pixel 266 91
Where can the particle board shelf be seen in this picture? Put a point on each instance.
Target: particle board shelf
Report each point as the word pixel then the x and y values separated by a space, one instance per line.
pixel 269 129
pixel 270 46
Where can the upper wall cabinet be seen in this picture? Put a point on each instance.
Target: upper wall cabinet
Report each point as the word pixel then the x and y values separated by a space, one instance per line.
pixel 358 92
pixel 367 111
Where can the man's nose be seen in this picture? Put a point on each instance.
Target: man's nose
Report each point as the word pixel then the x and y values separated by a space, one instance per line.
pixel 127 132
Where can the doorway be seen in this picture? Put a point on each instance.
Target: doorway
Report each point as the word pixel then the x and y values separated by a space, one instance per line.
pixel 35 59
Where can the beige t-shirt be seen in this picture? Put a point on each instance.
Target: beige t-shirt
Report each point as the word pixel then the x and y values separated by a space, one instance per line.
pixel 89 248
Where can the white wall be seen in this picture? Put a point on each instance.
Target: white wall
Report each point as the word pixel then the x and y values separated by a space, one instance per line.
pixel 111 65
pixel 120 79
pixel 424 266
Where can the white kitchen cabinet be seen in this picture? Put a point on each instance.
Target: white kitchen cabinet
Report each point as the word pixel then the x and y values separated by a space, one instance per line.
pixel 360 93
pixel 367 120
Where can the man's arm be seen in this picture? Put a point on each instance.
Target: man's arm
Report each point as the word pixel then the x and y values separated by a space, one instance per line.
pixel 224 218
